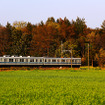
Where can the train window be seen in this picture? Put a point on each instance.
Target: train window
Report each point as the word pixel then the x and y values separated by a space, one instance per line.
pixel 10 60
pixel 40 60
pixel 54 60
pixel 68 61
pixel 5 60
pixel 2 60
pixel 58 60
pixel 49 60
pixel 31 60
pixel 16 60
pixel 78 61
pixel 21 60
pixel 36 60
pixel 73 61
pixel 26 60
pixel 62 60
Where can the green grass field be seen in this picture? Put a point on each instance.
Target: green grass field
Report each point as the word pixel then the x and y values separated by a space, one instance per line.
pixel 52 87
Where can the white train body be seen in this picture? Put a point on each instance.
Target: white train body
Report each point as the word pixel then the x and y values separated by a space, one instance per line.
pixel 19 60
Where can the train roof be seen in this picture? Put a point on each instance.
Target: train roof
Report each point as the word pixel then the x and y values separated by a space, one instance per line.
pixel 31 57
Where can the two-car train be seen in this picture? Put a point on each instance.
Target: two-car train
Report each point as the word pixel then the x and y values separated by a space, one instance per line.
pixel 38 61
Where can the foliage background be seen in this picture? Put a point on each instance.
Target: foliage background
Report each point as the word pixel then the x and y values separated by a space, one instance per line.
pixel 44 39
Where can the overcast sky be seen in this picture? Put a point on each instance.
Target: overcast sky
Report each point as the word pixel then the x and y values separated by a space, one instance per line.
pixel 35 11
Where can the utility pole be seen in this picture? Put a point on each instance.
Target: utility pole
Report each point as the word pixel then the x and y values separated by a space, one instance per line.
pixel 88 53
pixel 71 57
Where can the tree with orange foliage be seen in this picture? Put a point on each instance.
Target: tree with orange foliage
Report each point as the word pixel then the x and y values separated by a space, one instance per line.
pixel 4 41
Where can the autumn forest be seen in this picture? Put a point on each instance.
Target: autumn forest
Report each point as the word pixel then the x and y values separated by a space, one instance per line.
pixel 47 39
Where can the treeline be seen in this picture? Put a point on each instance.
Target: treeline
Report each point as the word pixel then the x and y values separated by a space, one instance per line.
pixel 44 39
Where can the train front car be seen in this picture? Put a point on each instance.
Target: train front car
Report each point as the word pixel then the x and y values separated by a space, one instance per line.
pixel 75 62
